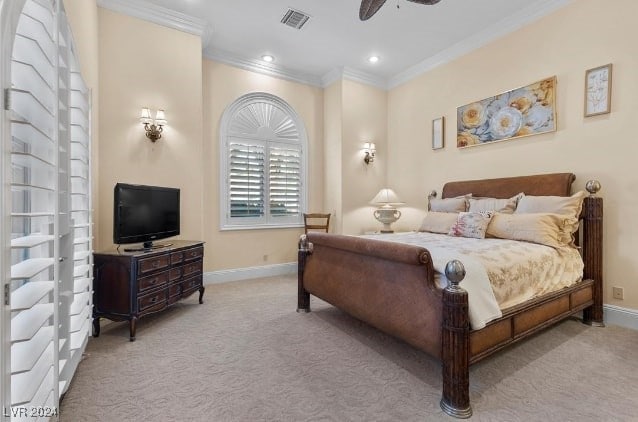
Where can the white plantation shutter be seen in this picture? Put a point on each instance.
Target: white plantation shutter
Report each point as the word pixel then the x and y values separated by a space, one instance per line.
pixel 263 164
pixel 285 180
pixel 247 181
pixel 46 312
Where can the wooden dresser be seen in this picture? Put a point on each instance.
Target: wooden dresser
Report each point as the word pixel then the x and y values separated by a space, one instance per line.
pixel 130 285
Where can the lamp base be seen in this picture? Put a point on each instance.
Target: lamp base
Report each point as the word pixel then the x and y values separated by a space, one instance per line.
pixel 387 216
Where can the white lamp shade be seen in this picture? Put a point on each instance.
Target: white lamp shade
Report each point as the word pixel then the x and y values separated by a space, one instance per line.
pixel 145 116
pixel 160 118
pixel 386 196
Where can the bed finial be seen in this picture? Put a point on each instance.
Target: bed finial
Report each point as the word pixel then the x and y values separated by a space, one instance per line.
pixel 455 273
pixel 431 196
pixel 592 186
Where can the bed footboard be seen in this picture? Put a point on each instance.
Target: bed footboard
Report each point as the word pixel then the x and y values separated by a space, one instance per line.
pixel 366 277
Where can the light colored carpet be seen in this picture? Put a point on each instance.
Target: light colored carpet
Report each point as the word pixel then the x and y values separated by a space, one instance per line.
pixel 246 355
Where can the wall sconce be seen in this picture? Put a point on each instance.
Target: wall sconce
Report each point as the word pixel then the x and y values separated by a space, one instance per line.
pixel 370 150
pixel 153 127
pixel 386 214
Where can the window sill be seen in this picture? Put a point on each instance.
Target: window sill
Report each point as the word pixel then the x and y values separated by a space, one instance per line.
pixel 262 227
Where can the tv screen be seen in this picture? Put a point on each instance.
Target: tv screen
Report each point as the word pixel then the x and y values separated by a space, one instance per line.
pixel 144 213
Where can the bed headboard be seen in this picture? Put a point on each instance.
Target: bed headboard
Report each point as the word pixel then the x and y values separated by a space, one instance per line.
pixel 556 184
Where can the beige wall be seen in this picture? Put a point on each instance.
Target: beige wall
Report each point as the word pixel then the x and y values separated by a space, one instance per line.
pixel 364 118
pixel 144 64
pixel 222 85
pixel 83 19
pixel 585 34
pixel 333 135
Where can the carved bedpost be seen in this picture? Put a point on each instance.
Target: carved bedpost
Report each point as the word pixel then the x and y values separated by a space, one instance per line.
pixel 593 251
pixel 303 297
pixel 455 345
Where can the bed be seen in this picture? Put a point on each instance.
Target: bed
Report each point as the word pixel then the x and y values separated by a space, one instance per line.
pixel 392 287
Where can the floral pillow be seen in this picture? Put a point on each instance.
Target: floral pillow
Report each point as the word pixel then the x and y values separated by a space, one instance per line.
pixel 471 224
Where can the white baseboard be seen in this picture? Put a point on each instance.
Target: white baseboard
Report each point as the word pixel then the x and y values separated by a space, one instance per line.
pixel 224 276
pixel 615 315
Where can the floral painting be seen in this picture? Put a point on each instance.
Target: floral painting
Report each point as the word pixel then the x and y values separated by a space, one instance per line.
pixel 525 111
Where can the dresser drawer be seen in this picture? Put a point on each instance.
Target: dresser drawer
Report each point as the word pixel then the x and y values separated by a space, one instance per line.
pixel 152 302
pixel 193 253
pixel 174 290
pixel 177 257
pixel 192 268
pixel 175 274
pixel 191 284
pixel 155 263
pixel 157 280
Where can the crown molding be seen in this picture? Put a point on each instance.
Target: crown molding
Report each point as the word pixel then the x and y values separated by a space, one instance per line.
pixel 150 12
pixel 144 10
pixel 523 17
pixel 351 74
pixel 262 67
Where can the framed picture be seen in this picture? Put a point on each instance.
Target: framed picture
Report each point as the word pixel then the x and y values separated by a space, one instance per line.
pixel 598 90
pixel 438 131
pixel 525 111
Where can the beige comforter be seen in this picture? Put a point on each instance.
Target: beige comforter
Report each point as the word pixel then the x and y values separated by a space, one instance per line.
pixel 517 271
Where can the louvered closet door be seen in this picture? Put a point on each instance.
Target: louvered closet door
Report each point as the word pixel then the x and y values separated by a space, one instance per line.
pixel 34 208
pixel 78 287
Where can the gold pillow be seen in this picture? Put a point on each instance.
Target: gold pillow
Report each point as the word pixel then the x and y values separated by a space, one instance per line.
pixel 565 205
pixel 493 204
pixel 438 222
pixel 543 228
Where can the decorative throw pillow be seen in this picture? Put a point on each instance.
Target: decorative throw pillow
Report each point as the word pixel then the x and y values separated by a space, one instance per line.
pixel 457 204
pixel 564 205
pixel 471 224
pixel 438 222
pixel 544 228
pixel 493 204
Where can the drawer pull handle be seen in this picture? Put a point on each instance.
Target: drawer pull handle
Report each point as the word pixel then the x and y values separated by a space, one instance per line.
pixel 155 264
pixel 153 300
pixel 154 280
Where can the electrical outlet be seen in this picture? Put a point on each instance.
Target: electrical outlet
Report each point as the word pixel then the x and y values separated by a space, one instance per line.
pixel 618 293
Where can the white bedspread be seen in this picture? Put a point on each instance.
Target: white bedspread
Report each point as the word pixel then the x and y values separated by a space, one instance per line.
pixel 499 273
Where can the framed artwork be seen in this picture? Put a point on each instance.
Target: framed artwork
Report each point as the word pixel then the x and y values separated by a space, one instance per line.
pixel 525 111
pixel 598 90
pixel 438 133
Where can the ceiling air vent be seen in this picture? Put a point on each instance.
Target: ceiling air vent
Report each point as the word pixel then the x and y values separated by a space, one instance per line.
pixel 295 18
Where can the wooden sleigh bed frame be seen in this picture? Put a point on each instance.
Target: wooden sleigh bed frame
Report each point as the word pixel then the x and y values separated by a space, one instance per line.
pixel 391 287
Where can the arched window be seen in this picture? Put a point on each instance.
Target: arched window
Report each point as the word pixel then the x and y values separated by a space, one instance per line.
pixel 263 161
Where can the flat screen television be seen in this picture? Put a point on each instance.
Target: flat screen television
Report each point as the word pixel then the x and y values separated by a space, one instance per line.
pixel 144 214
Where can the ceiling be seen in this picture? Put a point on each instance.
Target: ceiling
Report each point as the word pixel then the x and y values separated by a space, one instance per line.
pixel 409 39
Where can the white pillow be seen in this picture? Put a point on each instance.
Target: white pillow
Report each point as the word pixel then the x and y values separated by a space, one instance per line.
pixel 493 204
pixel 438 222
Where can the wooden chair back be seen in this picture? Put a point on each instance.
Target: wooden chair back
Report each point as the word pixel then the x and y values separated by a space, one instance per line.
pixel 316 221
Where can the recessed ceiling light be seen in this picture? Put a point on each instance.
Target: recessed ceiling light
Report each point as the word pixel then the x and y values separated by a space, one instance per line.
pixel 268 58
pixel 373 59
